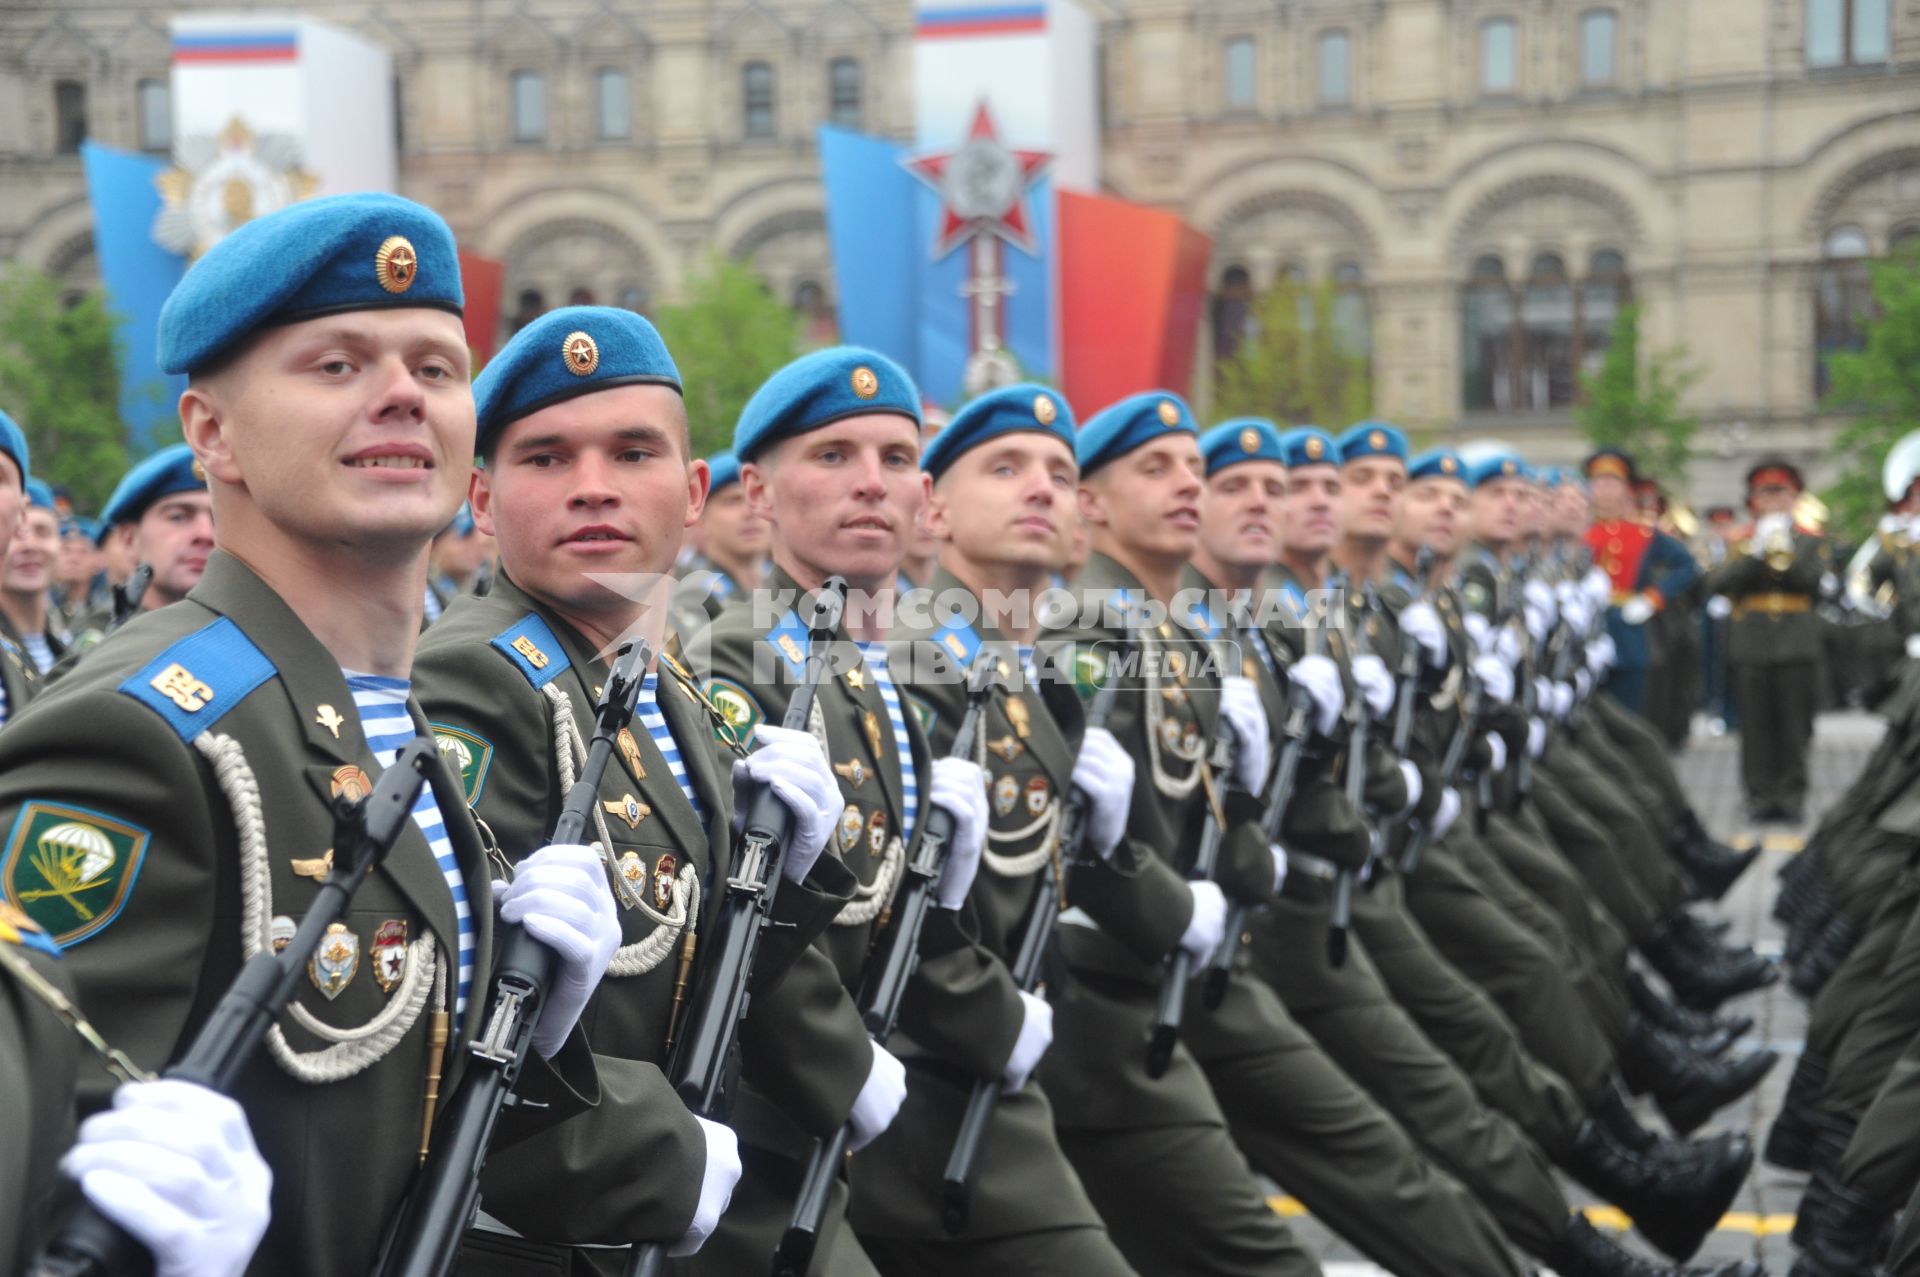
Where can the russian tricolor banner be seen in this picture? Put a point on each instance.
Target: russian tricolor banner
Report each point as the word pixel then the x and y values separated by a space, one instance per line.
pixel 945 22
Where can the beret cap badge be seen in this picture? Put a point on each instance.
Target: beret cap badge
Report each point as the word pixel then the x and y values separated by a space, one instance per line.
pixel 1314 447
pixel 1377 440
pixel 1249 440
pixel 1169 415
pixel 865 384
pixel 581 353
pixel 1448 465
pixel 395 264
pixel 1043 410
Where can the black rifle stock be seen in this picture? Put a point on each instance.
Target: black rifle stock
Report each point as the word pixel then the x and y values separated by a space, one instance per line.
pixel 886 984
pixel 701 1060
pixel 127 596
pixel 88 1244
pixel 1028 963
pixel 1340 911
pixel 446 1194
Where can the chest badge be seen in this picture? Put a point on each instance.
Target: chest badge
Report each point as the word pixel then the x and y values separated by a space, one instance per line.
pixel 853 771
pixel 630 753
pixel 329 717
pixel 856 677
pixel 627 808
pixel 663 883
pixel 877 832
pixel 1006 792
pixel 872 723
pixel 849 832
pixel 1006 748
pixel 317 868
pixel 1037 795
pixel 390 954
pixel 1017 715
pixel 350 783
pixel 335 963
pixel 633 878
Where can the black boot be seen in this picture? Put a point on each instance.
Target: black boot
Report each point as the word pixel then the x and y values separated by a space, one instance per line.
pixel 1703 1159
pixel 1713 865
pixel 1704 983
pixel 1842 1238
pixel 1707 943
pixel 1584 1252
pixel 1710 1034
pixel 1818 964
pixel 1688 1087
pixel 1673 1206
pixel 1790 1142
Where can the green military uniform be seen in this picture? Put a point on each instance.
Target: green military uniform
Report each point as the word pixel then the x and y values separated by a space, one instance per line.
pixel 1028 1212
pixel 169 809
pixel 19 680
pixel 509 688
pixel 700 594
pixel 38 1064
pixel 1774 647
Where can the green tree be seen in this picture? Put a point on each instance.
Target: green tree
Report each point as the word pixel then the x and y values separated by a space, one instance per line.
pixel 1296 364
pixel 1878 386
pixel 60 368
pixel 1634 404
pixel 729 335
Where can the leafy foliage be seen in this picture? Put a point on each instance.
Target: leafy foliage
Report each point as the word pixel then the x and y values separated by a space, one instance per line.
pixel 60 369
pixel 728 336
pixel 1635 405
pixel 1879 387
pixel 1295 364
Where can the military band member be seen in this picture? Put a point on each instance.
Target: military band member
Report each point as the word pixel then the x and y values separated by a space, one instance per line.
pixel 161 515
pixel 829 454
pixel 26 585
pixel 585 470
pixel 169 803
pixel 1003 505
pixel 1648 569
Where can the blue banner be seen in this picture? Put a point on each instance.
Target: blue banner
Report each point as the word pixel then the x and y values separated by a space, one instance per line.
pixel 138 274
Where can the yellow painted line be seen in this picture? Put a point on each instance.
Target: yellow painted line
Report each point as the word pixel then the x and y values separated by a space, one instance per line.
pixel 1783 842
pixel 1610 1218
pixel 1741 842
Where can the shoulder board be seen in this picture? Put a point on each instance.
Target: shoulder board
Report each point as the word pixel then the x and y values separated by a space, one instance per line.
pixel 194 683
pixel 533 649
pixel 959 640
pixel 790 638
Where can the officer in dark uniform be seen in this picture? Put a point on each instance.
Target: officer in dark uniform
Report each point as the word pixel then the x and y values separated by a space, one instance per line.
pixel 169 803
pixel 585 470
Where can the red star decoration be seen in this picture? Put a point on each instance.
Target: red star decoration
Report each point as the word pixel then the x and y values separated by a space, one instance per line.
pixel 1010 223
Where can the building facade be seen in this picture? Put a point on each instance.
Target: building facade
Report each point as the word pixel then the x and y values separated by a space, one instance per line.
pixel 1485 181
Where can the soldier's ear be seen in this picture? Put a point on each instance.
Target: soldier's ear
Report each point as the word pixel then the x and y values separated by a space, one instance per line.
pixel 208 430
pixel 480 499
pixel 1093 507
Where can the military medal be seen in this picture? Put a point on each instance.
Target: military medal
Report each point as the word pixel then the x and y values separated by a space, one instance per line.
pixel 630 751
pixel 1006 792
pixel 856 677
pixel 1007 748
pixel 853 771
pixel 329 717
pixel 877 832
pixel 280 931
pixel 872 723
pixel 350 783
pixel 627 808
pixel 633 877
pixel 1169 733
pixel 663 883
pixel 390 954
pixel 849 833
pixel 1018 716
pixel 1037 795
pixel 317 868
pixel 333 965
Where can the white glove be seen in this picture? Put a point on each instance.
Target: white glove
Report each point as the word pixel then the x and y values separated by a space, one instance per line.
pixel 1573 606
pixel 1582 684
pixel 1420 623
pixel 1497 747
pixel 1036 1035
pixel 960 788
pixel 1279 866
pixel 1542 694
pixel 1829 584
pixel 1562 701
pixel 559 894
pixel 1208 926
pixel 879 1101
pixel 1913 646
pixel 1598 585
pixel 1496 679
pixel 722 1172
pixel 1505 644
pixel 1415 786
pixel 1104 773
pixel 1446 813
pixel 174 1164
pixel 1479 629
pixel 1376 685
pixel 1536 737
pixel 1539 595
pixel 1319 678
pixel 1240 706
pixel 1767 529
pixel 1637 610
pixel 1601 654
pixel 1891 524
pixel 1719 607
pixel 1539 624
pixel 791 763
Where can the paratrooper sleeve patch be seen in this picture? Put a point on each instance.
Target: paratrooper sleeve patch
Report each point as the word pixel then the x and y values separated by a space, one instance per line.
pixel 740 712
pixel 469 755
pixel 71 869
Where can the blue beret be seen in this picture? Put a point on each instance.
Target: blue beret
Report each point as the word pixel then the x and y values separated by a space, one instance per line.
pixel 40 493
pixel 1242 439
pixel 1437 463
pixel 79 527
pixel 1496 465
pixel 166 472
pixel 317 257
pixel 572 351
pixel 725 469
pixel 1005 411
pixel 820 388
pixel 1371 439
pixel 13 442
pixel 1119 428
pixel 1308 446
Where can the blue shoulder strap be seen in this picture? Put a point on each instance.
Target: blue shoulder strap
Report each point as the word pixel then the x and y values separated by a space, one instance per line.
pixel 194 683
pixel 533 649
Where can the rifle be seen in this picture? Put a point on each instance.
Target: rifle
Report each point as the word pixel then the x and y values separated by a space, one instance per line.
pixel 127 596
pixel 1410 656
pixel 88 1244
pixel 1206 862
pixel 1340 913
pixel 426 1240
pixel 1451 766
pixel 702 1062
pixel 956 1185
pixel 884 986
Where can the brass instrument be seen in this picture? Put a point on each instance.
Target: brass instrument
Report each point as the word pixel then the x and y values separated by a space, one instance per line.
pixel 1778 548
pixel 1861 596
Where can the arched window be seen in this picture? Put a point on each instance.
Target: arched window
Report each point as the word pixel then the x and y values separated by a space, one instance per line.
pixel 1498 57
pixel 756 94
pixel 69 116
pixel 155 101
pixel 1336 69
pixel 843 92
pixel 1525 343
pixel 1231 305
pixel 529 106
pixel 1598 29
pixel 612 111
pixel 1350 307
pixel 1240 73
pixel 1843 299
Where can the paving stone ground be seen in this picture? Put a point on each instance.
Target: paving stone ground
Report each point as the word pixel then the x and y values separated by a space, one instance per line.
pixel 1758 1225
